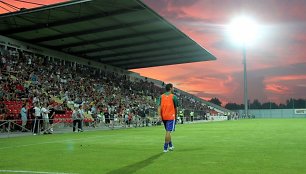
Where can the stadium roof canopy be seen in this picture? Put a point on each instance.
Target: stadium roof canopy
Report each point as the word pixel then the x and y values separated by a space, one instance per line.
pixel 122 33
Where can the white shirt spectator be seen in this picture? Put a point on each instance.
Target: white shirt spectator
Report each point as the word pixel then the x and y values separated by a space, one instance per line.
pixel 37 111
pixel 29 61
pixel 81 112
pixel 3 60
pixel 35 99
pixel 44 113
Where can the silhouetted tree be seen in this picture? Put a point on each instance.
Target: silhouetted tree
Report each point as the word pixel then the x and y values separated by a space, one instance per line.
pixel 215 101
pixel 282 106
pixel 242 106
pixel 290 104
pixel 299 103
pixel 273 105
pixel 255 105
pixel 266 105
pixel 233 106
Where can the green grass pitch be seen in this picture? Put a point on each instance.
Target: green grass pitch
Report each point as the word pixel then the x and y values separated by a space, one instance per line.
pixel 259 146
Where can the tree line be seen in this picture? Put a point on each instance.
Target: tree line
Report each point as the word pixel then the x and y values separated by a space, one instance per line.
pixel 256 104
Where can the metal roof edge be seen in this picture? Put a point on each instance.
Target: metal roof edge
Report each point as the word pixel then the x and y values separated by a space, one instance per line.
pixel 172 26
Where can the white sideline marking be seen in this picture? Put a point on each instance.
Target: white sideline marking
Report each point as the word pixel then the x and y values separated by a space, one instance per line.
pixel 58 141
pixel 24 171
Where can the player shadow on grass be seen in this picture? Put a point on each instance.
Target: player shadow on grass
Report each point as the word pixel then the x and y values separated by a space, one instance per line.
pixel 136 166
pixel 189 150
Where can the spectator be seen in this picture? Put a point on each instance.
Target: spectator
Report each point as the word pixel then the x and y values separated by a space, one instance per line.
pixel 77 117
pixel 24 119
pixel 191 116
pixel 37 121
pixel 45 118
pixel 51 116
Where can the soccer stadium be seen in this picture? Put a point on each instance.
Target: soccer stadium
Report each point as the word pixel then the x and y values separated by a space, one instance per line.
pixel 70 104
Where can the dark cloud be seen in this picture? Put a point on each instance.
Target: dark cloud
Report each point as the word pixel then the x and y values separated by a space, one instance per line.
pixel 202 94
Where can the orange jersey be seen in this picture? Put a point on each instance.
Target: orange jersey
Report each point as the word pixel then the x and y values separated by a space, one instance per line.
pixel 167 107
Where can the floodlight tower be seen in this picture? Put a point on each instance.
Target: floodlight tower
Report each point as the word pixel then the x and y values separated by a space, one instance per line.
pixel 244 31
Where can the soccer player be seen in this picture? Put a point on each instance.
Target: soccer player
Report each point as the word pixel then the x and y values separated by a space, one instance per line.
pixel 167 110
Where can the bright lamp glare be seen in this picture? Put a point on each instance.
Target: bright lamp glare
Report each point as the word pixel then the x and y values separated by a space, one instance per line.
pixel 243 30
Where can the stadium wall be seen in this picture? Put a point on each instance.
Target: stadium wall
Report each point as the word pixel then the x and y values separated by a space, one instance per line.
pixel 276 113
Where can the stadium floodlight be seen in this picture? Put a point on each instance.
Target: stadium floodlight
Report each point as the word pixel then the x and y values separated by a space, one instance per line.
pixel 244 31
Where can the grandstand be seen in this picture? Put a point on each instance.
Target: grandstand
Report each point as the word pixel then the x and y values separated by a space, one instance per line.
pixel 79 52
pixel 77 55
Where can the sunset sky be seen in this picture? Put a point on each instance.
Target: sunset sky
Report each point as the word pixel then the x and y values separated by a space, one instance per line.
pixel 276 63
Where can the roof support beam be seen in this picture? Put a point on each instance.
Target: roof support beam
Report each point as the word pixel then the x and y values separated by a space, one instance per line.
pixel 139 34
pixel 160 58
pixel 127 45
pixel 95 30
pixel 111 56
pixel 162 63
pixel 157 54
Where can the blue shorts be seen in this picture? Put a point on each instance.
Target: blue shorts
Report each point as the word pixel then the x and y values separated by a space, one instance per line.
pixel 169 125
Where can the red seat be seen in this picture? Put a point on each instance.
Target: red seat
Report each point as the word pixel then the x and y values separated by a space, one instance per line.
pixel 87 120
pixel 69 112
pixel 56 120
pixel 15 111
pixel 7 102
pixel 60 116
pixel 69 120
pixel 14 107
pixel 55 115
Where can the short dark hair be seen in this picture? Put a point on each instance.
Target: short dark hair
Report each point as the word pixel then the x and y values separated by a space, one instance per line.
pixel 168 87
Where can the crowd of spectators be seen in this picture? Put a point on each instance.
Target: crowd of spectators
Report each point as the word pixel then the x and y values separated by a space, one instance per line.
pixel 40 80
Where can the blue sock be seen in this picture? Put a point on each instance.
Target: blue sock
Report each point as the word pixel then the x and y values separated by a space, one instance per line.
pixel 165 146
pixel 170 144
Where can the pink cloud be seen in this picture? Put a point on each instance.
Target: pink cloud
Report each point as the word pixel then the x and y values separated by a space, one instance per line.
pixel 285 78
pixel 275 88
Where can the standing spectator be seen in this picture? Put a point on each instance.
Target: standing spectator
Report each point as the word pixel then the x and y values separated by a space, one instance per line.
pixel 77 117
pixel 51 116
pixel 82 116
pixel 112 116
pixel 31 116
pixel 106 117
pixel 191 116
pixel 44 112
pixel 24 119
pixel 130 117
pixel 142 115
pixel 37 121
pixel 94 114
pixel 126 117
pixel 181 114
